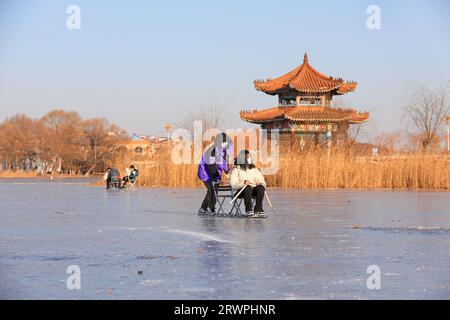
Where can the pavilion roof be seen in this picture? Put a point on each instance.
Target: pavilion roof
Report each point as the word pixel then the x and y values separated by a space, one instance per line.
pixel 305 114
pixel 306 79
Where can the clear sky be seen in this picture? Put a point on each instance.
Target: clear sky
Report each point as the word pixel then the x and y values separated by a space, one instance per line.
pixel 143 63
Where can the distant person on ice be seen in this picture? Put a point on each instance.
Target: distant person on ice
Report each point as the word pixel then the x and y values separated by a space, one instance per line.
pixel 131 175
pixel 213 163
pixel 112 174
pixel 246 175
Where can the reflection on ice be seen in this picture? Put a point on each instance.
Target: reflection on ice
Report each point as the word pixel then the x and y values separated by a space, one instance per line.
pixel 199 235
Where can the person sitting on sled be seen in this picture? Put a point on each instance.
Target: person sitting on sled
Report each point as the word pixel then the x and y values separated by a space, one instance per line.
pixel 246 175
pixel 131 175
pixel 214 161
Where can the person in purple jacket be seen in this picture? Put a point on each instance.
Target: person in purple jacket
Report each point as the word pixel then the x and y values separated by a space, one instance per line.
pixel 214 161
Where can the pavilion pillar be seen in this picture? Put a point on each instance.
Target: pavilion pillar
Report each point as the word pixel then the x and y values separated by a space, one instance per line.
pixel 329 135
pixel 334 139
pixel 345 132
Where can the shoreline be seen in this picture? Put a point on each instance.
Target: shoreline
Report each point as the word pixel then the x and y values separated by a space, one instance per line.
pixel 45 176
pixel 100 183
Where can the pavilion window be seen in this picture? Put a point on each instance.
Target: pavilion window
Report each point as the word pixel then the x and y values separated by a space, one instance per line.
pixel 277 125
pixel 288 101
pixel 310 101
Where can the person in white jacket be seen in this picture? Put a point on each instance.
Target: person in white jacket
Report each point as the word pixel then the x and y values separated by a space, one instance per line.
pixel 246 175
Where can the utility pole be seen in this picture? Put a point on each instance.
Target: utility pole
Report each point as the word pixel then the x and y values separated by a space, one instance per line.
pixel 168 127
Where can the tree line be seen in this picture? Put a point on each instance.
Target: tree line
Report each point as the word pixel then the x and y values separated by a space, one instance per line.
pixel 60 141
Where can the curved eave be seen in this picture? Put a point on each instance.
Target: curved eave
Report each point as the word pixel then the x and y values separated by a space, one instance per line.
pixel 249 116
pixel 359 118
pixel 307 79
pixel 294 114
pixel 258 121
pixel 346 87
pixel 273 93
pixel 309 120
pixel 339 89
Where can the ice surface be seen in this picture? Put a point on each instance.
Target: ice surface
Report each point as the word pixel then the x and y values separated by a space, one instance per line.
pixel 318 246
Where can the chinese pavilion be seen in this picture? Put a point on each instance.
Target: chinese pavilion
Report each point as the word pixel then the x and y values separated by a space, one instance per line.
pixel 305 105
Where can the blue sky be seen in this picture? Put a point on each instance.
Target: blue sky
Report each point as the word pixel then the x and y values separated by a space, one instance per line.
pixel 143 63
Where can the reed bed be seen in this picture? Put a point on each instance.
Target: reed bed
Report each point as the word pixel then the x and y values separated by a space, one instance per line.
pixel 316 169
pixel 10 174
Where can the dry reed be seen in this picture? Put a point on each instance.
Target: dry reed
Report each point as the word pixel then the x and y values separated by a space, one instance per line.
pixel 316 169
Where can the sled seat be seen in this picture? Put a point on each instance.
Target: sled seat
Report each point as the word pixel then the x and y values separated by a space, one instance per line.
pixel 224 192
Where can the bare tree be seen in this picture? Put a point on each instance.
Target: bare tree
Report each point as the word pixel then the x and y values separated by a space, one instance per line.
pixel 211 117
pixel 101 140
pixel 356 131
pixel 388 142
pixel 22 140
pixel 427 110
pixel 65 140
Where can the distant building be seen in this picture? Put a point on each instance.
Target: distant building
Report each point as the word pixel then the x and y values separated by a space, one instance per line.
pixel 147 147
pixel 139 147
pixel 305 105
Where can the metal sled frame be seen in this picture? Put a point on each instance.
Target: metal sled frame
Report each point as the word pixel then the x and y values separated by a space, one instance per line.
pixel 131 185
pixel 114 183
pixel 224 192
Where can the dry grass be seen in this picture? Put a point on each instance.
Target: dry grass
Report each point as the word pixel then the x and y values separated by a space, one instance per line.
pixel 161 172
pixel 317 169
pixel 341 170
pixel 18 174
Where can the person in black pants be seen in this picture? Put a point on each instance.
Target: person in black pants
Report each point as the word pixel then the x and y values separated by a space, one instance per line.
pixel 214 162
pixel 256 192
pixel 246 177
pixel 210 198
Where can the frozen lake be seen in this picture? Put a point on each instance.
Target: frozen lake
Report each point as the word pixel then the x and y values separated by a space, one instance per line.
pixel 318 246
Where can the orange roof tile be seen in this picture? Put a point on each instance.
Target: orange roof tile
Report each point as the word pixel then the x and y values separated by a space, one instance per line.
pixel 305 114
pixel 305 78
pixel 265 115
